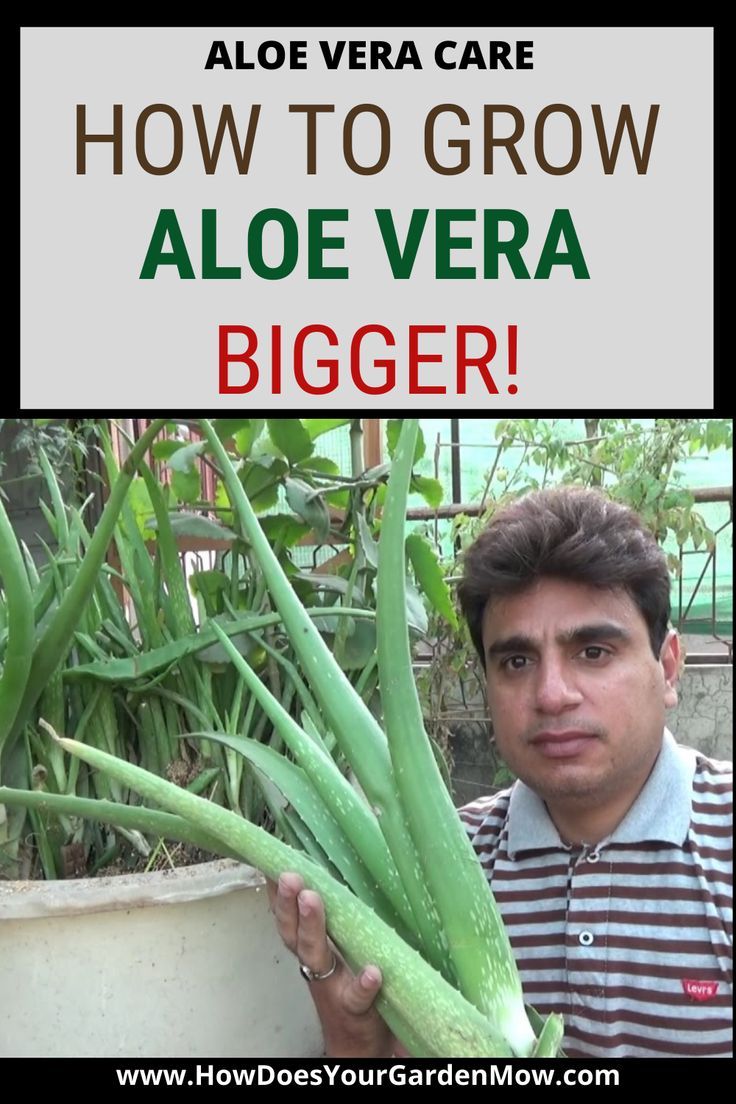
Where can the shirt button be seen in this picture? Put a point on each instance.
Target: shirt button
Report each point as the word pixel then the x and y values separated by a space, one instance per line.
pixel 594 857
pixel 585 938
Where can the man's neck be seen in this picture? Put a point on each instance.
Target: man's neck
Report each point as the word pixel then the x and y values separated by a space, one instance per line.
pixel 590 818
pixel 578 826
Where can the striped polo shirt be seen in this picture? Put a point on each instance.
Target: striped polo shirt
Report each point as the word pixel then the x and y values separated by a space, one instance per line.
pixel 631 940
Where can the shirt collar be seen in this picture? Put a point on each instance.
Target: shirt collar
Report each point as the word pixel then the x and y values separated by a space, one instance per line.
pixel 661 812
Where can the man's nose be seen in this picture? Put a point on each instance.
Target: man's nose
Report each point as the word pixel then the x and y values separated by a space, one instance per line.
pixel 556 687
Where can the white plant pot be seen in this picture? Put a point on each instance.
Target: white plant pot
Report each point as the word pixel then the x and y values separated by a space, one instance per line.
pixel 181 963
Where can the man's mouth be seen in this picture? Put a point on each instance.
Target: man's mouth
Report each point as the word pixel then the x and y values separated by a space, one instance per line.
pixel 563 745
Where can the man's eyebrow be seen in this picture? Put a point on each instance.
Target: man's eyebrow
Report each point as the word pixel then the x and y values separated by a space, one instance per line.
pixel 517 643
pixel 601 630
pixel 579 634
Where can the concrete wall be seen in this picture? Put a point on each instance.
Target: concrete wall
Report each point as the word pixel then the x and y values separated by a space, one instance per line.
pixel 704 716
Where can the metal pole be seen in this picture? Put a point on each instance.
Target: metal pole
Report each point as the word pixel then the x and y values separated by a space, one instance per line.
pixel 455 460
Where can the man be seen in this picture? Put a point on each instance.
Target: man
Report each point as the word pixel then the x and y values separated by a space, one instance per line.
pixel 610 856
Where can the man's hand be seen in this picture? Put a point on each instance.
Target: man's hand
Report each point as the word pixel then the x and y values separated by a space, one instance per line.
pixel 351 1025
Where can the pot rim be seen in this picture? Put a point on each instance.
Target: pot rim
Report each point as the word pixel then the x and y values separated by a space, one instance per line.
pixel 36 899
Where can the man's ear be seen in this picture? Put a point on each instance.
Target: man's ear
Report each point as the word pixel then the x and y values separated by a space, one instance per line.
pixel 671 657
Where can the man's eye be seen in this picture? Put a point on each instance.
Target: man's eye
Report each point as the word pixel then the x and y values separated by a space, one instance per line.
pixel 515 663
pixel 594 651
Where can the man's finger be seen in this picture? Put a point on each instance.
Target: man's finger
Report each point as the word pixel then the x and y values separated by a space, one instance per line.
pixel 360 993
pixel 285 908
pixel 312 947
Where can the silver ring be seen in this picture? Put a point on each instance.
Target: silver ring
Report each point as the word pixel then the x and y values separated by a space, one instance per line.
pixel 313 975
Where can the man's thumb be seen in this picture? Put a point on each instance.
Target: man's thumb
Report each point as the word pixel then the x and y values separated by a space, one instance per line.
pixel 363 990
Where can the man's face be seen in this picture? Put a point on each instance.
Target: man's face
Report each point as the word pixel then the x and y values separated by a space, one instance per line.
pixel 576 695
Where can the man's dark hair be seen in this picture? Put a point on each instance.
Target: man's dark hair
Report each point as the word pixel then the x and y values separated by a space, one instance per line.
pixel 574 533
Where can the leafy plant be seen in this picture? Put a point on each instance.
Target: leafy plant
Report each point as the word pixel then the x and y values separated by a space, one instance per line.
pixel 38 635
pixel 144 673
pixel 64 445
pixel 636 464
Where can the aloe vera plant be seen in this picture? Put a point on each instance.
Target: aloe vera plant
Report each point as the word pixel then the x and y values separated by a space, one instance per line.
pixel 34 651
pixel 451 986
pixel 377 851
pixel 138 675
pixel 474 946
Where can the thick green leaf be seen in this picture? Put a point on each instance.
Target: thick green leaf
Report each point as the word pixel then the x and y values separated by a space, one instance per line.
pixel 135 817
pixel 362 741
pixel 57 636
pixel 476 936
pixel 140 503
pixel 333 582
pixel 18 601
pixel 226 428
pixel 328 626
pixel 377 473
pixel 393 429
pixel 430 490
pixel 442 1021
pixel 164 450
pixel 196 525
pixel 357 820
pixel 290 438
pixel 300 836
pixel 321 464
pixel 284 529
pixel 210 584
pixel 359 646
pixel 261 481
pixel 184 459
pixel 215 655
pixel 428 574
pixel 416 615
pixel 368 546
pixel 222 504
pixel 315 427
pixel 324 466
pixel 310 728
pixel 311 507
pixel 246 437
pixel 61 526
pixel 301 793
pixel 186 485
pixel 157 659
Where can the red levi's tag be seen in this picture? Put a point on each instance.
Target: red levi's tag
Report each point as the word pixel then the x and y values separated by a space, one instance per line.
pixel 699 990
